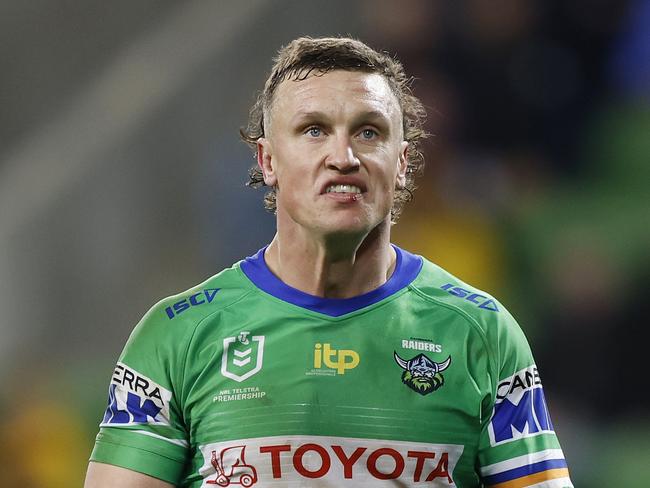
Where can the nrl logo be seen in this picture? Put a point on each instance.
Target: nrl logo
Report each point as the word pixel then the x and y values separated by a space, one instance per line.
pixel 242 356
pixel 421 374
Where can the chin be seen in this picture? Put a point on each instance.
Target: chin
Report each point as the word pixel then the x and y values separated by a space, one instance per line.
pixel 349 226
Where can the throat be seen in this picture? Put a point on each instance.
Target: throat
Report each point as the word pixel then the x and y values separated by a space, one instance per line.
pixel 328 275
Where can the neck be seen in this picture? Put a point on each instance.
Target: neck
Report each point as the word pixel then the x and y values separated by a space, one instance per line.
pixel 333 266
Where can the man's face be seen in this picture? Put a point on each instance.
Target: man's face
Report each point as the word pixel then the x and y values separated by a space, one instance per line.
pixel 335 152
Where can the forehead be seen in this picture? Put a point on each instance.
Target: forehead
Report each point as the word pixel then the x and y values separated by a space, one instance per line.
pixel 336 91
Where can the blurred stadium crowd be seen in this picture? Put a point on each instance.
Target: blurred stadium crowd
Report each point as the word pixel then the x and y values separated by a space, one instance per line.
pixel 121 181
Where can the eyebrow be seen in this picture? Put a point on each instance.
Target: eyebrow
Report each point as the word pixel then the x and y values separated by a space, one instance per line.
pixel 369 115
pixel 373 115
pixel 310 115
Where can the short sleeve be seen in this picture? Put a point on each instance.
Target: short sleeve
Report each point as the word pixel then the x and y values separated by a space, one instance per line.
pixel 142 428
pixel 518 445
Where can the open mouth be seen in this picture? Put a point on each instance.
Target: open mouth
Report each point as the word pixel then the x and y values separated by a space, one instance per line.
pixel 353 189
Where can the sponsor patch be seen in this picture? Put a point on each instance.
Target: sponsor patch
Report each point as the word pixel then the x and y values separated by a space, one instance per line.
pixel 133 398
pixel 481 301
pixel 421 374
pixel 200 298
pixel 242 356
pixel 520 409
pixel 341 461
pixel 331 362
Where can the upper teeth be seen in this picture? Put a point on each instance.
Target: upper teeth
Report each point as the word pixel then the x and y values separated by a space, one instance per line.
pixel 343 189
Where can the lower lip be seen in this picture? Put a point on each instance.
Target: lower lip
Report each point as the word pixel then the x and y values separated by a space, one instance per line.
pixel 344 197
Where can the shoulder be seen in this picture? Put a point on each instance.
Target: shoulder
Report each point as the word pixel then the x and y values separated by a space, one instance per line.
pixel 157 347
pixel 440 285
pixel 483 312
pixel 477 306
pixel 215 293
pixel 177 315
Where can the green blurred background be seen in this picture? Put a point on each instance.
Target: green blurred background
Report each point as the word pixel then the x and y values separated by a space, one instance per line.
pixel 122 181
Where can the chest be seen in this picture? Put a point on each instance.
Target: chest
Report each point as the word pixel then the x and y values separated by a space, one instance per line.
pixel 385 396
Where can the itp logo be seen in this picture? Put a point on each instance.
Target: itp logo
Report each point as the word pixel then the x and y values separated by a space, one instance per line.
pixel 340 360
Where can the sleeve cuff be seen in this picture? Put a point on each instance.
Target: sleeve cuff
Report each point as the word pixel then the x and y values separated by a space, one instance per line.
pixel 142 459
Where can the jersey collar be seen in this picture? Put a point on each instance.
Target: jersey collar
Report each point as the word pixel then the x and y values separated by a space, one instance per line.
pixel 407 267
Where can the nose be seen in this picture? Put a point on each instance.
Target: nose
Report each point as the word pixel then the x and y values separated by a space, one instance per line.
pixel 342 157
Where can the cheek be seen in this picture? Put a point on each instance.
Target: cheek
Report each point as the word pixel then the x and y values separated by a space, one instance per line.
pixel 388 163
pixel 292 183
pixel 296 166
pixel 389 180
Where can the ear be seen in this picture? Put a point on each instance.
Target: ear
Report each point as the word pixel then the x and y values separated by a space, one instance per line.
pixel 265 161
pixel 402 166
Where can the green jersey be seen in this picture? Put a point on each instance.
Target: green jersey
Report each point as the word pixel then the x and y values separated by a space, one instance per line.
pixel 243 380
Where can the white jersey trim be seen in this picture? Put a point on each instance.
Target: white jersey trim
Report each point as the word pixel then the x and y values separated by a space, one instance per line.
pixel 525 460
pixel 178 442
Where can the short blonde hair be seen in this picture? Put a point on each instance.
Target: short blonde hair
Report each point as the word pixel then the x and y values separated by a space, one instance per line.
pixel 305 56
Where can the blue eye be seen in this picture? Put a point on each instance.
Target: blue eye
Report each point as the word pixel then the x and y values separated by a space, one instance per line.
pixel 314 131
pixel 368 134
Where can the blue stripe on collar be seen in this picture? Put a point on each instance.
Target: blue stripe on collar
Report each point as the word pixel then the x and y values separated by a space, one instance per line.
pixel 407 268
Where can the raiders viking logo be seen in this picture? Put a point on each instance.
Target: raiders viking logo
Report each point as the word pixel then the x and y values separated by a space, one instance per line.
pixel 421 374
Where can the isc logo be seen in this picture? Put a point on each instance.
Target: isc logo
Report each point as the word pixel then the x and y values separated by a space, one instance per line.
pixel 479 300
pixel 339 360
pixel 204 296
